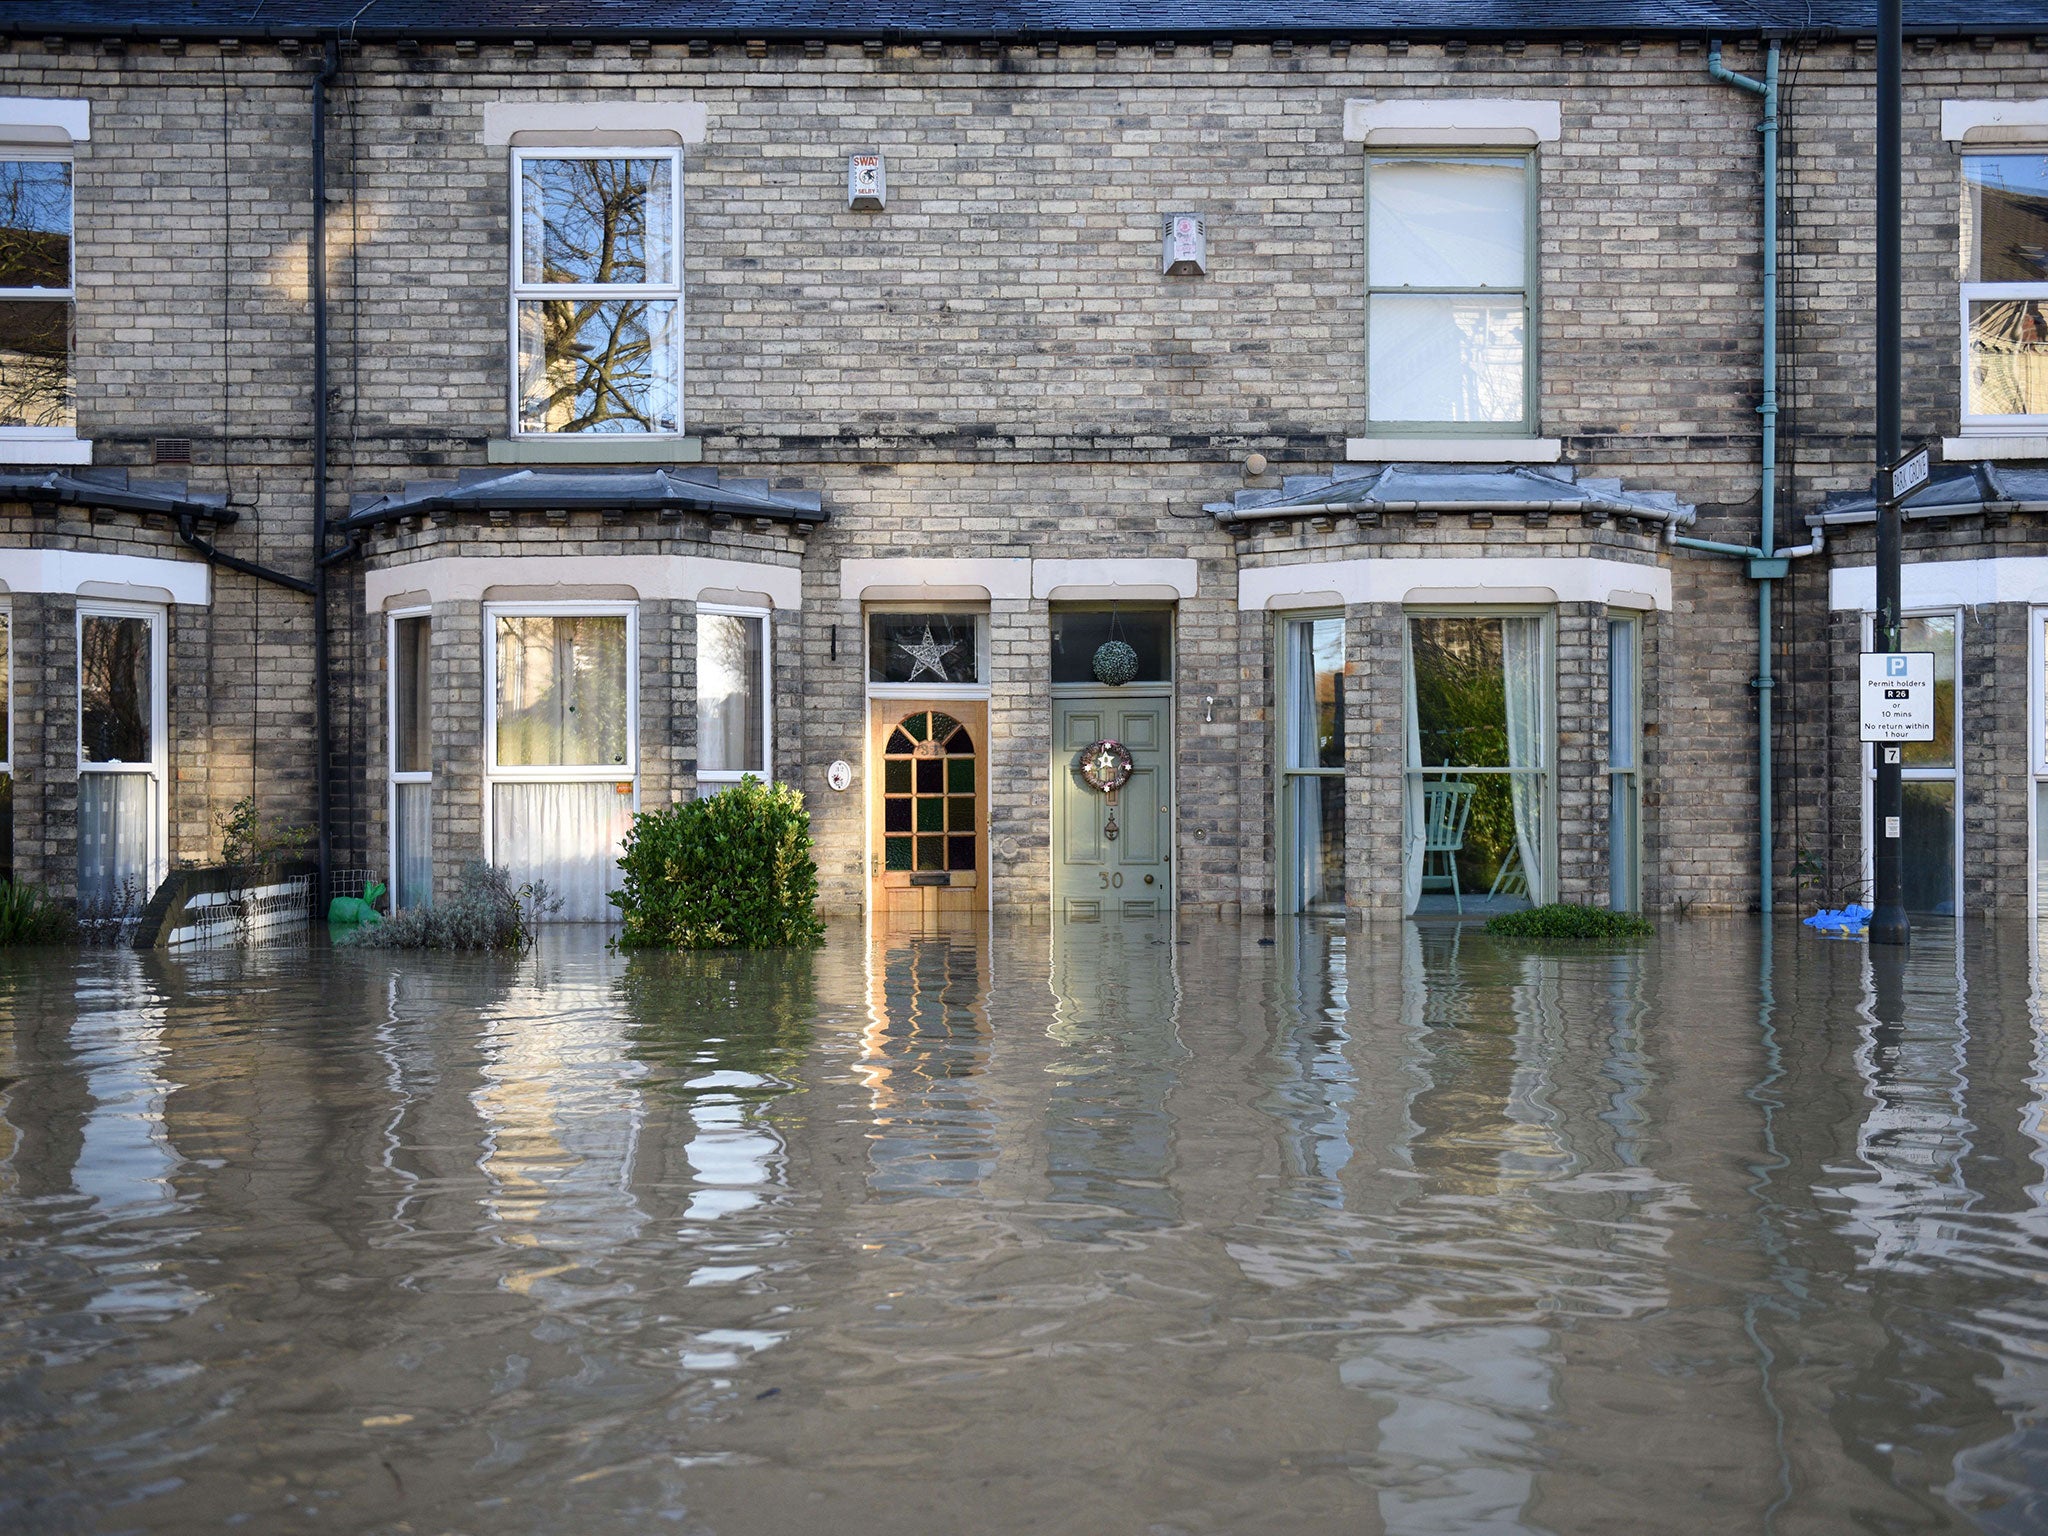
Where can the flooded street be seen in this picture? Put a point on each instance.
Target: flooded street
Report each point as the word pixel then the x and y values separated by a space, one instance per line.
pixel 1107 1228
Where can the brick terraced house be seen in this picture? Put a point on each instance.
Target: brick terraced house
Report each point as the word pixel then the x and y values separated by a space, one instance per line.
pixel 1370 457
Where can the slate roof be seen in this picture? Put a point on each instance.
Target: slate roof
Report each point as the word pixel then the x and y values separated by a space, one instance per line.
pixel 111 490
pixel 1449 488
pixel 1952 490
pixel 966 19
pixel 601 490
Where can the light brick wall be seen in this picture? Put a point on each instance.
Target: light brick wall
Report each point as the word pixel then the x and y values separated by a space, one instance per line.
pixel 993 365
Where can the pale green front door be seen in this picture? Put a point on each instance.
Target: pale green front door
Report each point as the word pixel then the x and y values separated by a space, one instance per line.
pixel 1093 874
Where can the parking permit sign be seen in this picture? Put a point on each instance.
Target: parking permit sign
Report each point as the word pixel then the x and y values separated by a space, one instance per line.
pixel 1898 696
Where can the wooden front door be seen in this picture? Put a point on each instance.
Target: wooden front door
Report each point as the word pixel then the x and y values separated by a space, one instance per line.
pixel 929 789
pixel 1131 874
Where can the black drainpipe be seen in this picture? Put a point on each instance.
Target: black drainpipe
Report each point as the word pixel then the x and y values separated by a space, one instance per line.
pixel 323 787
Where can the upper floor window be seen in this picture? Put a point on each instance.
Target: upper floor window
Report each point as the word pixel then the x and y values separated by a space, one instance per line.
pixel 37 394
pixel 2005 291
pixel 1449 273
pixel 597 291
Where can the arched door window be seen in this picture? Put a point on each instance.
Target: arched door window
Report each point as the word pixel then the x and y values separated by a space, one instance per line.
pixel 928 794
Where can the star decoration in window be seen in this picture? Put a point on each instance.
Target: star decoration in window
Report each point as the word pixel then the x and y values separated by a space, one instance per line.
pixel 928 656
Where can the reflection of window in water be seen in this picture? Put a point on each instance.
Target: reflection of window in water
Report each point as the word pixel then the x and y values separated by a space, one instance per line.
pixel 1109 1135
pixel 1312 1083
pixel 561 1129
pixel 923 1055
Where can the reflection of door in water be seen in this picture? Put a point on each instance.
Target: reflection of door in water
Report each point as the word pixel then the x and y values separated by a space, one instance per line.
pixel 930 804
pixel 1094 875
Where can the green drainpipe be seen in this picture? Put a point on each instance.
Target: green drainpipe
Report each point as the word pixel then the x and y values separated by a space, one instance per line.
pixel 1766 563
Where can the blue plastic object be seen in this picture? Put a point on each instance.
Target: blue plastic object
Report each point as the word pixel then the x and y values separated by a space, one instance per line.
pixel 1850 922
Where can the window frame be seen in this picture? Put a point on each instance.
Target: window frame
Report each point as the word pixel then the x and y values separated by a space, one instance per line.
pixel 1412 775
pixel 1953 774
pixel 728 776
pixel 2037 752
pixel 561 773
pixel 521 291
pixel 1527 424
pixel 924 688
pixel 1284 773
pixel 7 682
pixel 157 768
pixel 1971 424
pixel 1632 620
pixel 67 296
pixel 393 775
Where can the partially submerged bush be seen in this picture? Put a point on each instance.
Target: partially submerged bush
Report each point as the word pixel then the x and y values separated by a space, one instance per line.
pixel 27 916
pixel 730 871
pixel 1563 920
pixel 485 911
pixel 249 840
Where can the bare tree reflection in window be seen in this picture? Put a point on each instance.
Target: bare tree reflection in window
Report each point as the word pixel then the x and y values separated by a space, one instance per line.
pixel 596 358
pixel 36 382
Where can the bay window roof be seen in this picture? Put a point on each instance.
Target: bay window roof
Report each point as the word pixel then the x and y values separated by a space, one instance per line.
pixel 589 490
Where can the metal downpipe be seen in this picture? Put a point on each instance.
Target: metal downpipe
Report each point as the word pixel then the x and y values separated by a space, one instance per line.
pixel 323 723
pixel 1765 683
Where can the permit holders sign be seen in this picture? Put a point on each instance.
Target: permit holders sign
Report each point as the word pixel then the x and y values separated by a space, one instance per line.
pixel 1898 696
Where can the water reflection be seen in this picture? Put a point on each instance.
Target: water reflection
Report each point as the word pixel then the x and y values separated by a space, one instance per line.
pixel 1123 1226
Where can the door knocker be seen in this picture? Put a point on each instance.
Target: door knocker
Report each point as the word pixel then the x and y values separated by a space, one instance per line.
pixel 1106 766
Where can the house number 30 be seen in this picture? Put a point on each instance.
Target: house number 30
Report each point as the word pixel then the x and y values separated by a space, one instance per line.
pixel 1109 879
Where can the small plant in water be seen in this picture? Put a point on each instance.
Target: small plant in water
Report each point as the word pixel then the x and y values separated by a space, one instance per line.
pixel 730 871
pixel 485 911
pixel 248 840
pixel 1564 920
pixel 27 916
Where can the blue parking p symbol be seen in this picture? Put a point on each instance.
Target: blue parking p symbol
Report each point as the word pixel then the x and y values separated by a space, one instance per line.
pixel 1895 666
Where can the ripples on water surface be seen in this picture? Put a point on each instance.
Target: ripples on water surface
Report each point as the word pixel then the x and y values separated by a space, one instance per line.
pixel 1101 1229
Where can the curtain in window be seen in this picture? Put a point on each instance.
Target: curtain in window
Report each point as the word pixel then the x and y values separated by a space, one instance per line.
pixel 567 835
pixel 1522 668
pixel 114 815
pixel 729 724
pixel 414 855
pixel 561 690
pixel 1416 835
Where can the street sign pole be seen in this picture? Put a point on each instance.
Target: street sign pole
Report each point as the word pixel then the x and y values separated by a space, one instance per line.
pixel 1888 911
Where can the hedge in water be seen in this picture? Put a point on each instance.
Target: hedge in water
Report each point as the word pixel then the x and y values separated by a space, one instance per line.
pixel 1562 920
pixel 730 871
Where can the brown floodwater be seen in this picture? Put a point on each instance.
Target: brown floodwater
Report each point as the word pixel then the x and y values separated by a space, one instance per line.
pixel 1097 1228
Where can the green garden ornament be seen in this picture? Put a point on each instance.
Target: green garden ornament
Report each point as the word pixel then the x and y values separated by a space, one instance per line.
pixel 1115 663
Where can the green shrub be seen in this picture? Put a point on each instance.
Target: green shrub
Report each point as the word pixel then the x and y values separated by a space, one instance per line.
pixel 27 916
pixel 730 871
pixel 248 840
pixel 1562 920
pixel 486 911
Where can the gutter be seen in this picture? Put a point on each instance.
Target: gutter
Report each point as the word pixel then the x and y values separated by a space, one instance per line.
pixel 212 556
pixel 1307 508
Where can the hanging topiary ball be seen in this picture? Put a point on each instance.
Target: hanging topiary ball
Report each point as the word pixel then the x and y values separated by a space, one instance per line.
pixel 1115 662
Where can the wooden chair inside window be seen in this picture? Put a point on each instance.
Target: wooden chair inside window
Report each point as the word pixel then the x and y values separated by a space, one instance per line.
pixel 1446 808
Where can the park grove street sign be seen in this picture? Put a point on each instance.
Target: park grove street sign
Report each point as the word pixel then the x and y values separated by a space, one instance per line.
pixel 1898 696
pixel 1907 476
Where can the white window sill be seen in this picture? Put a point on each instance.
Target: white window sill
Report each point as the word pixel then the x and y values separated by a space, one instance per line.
pixel 1454 450
pixel 2002 445
pixel 45 450
pixel 595 448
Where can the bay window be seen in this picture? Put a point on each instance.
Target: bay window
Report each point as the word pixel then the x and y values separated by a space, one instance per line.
pixel 1449 272
pixel 597 291
pixel 120 756
pixel 2005 292
pixel 1624 765
pixel 412 762
pixel 563 770
pixel 732 694
pixel 1480 738
pixel 1312 763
